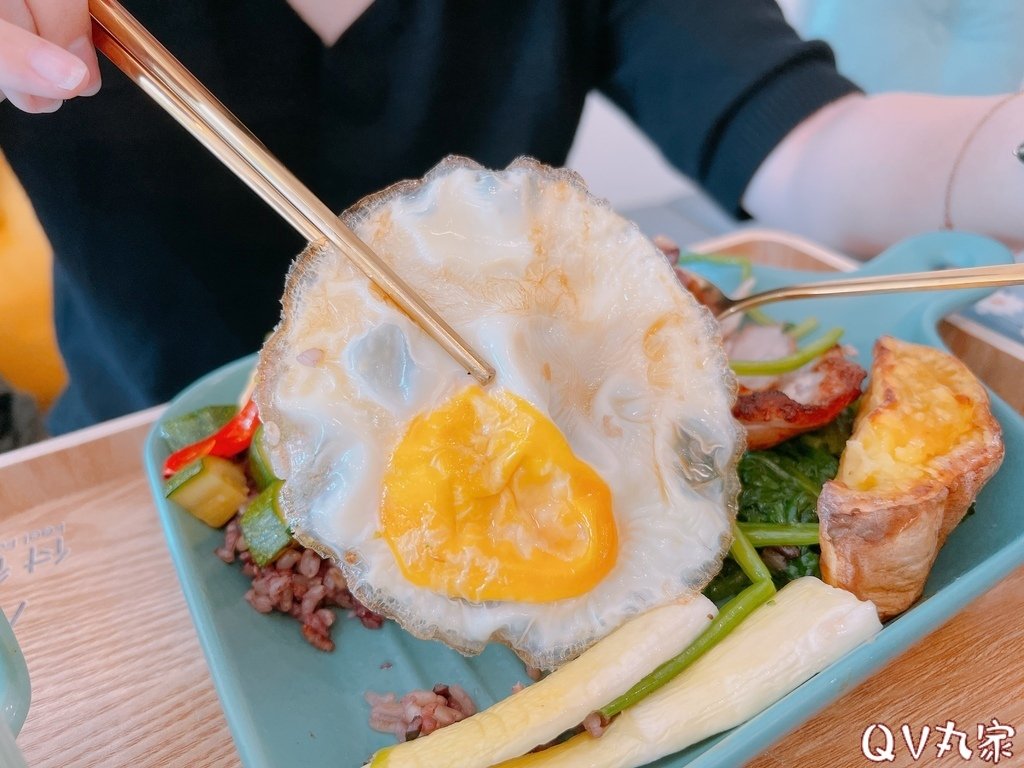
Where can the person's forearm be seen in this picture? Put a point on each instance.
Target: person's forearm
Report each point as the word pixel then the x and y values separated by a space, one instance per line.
pixel 868 171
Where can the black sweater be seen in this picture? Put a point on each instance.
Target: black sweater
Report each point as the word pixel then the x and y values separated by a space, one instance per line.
pixel 167 266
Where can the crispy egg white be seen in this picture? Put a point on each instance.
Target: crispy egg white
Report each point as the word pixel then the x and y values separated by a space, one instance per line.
pixel 593 479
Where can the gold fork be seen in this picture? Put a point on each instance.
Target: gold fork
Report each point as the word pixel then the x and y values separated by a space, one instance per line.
pixel 723 306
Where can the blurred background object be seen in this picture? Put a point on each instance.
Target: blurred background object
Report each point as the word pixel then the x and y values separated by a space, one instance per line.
pixel 955 47
pixel 29 360
pixel 31 371
pixel 21 421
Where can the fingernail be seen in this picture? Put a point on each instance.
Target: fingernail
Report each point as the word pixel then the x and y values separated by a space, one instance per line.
pixel 93 89
pixel 82 48
pixel 41 106
pixel 58 67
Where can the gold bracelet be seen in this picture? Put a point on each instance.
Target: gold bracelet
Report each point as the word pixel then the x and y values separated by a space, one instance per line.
pixel 947 218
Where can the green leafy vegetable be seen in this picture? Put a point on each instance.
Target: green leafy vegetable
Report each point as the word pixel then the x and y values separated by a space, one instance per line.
pixel 192 427
pixel 729 582
pixel 775 535
pixel 832 437
pixel 801 329
pixel 781 485
pixel 804 564
pixel 779 499
pixel 788 363
pixel 757 315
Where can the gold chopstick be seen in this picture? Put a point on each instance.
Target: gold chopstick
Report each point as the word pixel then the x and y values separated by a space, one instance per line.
pixel 152 67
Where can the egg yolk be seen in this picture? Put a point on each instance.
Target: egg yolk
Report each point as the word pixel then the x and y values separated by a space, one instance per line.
pixel 484 500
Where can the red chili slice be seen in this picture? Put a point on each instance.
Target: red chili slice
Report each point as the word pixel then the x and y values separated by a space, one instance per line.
pixel 230 440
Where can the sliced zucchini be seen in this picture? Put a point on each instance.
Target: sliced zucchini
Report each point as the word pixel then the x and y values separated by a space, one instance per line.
pixel 211 488
pixel 259 463
pixel 263 525
pixel 194 426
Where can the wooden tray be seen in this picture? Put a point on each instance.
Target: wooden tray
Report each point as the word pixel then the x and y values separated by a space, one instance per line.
pixel 118 678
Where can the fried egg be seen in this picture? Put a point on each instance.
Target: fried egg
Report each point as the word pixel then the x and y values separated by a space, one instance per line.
pixel 593 479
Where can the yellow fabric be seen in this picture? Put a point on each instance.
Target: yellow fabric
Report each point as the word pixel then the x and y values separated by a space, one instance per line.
pixel 29 359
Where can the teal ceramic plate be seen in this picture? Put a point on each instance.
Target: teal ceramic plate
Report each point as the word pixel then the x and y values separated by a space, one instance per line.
pixel 289 704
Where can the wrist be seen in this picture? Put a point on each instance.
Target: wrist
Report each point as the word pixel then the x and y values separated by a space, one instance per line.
pixel 986 191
